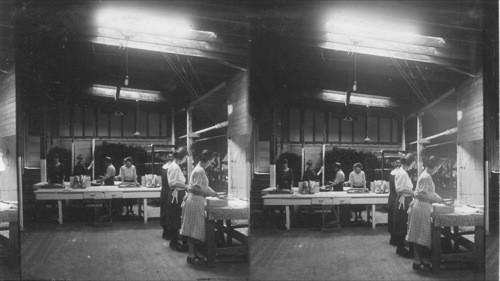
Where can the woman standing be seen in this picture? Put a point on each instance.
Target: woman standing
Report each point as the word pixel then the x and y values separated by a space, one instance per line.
pixel 357 179
pixel 56 172
pixel 392 201
pixel 193 212
pixel 404 191
pixel 285 176
pixel 419 218
pixel 176 184
pixel 128 174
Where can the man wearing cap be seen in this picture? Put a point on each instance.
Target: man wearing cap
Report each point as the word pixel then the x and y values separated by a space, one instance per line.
pixel 109 178
pixel 338 182
pixel 80 169
pixel 309 174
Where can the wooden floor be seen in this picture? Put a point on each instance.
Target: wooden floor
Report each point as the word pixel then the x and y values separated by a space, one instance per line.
pixel 126 251
pixel 356 253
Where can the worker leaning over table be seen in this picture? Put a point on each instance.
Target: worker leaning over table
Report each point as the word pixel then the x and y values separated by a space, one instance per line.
pixel 109 177
pixel 419 213
pixel 339 179
pixel 193 211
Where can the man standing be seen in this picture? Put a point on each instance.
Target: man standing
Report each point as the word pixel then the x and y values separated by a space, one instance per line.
pixel 338 182
pixel 109 178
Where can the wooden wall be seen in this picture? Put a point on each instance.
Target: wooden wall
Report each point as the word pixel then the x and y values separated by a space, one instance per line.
pixel 470 110
pixel 321 126
pixel 239 136
pixel 89 120
pixel 470 144
pixel 8 178
pixel 8 105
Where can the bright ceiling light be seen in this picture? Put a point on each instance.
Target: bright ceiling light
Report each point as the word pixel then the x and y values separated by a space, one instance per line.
pixel 132 21
pixel 125 93
pixel 355 99
pixel 360 27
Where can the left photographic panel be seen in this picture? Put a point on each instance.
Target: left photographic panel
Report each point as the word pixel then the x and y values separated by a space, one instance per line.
pixel 134 139
pixel 9 197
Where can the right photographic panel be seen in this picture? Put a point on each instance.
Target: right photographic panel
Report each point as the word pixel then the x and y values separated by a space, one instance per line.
pixel 375 146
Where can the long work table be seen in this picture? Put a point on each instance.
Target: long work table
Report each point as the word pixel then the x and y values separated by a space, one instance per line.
pixel 331 198
pixel 218 221
pixel 9 214
pixel 443 224
pixel 105 192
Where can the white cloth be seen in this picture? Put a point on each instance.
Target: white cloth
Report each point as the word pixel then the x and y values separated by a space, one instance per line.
pixel 175 176
pixel 339 177
pixel 128 174
pixel 402 181
pixel 110 172
pixel 193 210
pixel 357 179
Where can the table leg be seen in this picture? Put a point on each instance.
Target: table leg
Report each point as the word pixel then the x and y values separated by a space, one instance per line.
pixel 436 249
pixel 455 242
pixel 479 248
pixel 229 232
pixel 210 237
pixel 59 207
pixel 373 216
pixel 287 211
pixel 145 209
pixel 14 252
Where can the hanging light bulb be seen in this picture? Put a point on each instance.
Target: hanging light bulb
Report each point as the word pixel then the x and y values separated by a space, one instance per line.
pixel 136 134
pixel 367 122
pixel 355 85
pixel 126 67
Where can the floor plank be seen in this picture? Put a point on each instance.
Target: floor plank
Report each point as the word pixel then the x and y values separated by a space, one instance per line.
pixel 356 253
pixel 126 251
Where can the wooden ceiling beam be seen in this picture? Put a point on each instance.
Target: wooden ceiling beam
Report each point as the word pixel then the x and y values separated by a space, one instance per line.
pixel 433 103
pixel 417 49
pixel 203 97
pixel 393 54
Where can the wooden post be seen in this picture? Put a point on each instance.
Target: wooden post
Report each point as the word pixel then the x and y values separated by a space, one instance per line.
pixel 43 144
pixel 403 133
pixel 189 140
pixel 272 150
pixel 72 156
pixel 93 158
pixel 172 125
pixel 302 162
pixel 420 146
pixel 323 152
pixel 20 190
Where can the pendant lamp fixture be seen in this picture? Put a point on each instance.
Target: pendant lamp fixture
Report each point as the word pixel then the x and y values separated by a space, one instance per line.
pixel 347 100
pixel 355 85
pixel 136 134
pixel 126 67
pixel 367 122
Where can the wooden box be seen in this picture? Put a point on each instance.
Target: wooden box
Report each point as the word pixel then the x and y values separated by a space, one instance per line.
pixel 216 202
pixel 438 208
